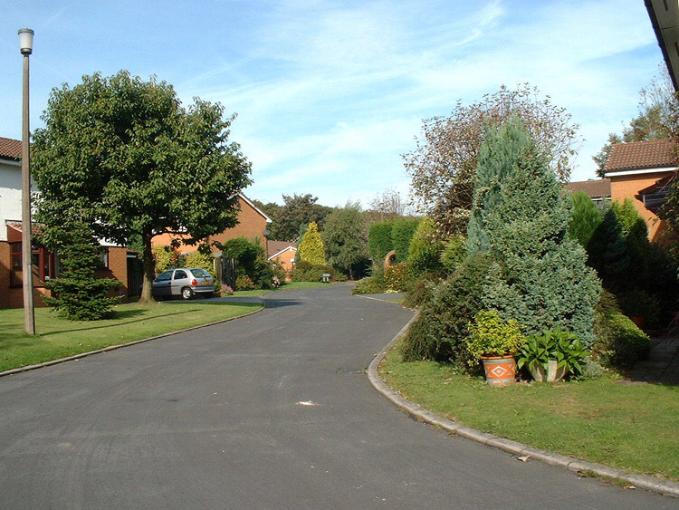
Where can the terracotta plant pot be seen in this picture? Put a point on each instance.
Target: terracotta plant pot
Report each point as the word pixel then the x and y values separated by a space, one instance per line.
pixel 499 370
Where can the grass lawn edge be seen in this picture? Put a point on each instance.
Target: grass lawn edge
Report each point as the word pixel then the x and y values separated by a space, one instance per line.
pixel 665 487
pixel 57 361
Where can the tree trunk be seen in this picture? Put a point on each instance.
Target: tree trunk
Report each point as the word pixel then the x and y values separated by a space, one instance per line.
pixel 149 271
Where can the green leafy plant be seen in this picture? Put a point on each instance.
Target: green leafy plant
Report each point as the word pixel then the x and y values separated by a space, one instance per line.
pixel 424 253
pixel 562 346
pixel 401 234
pixel 454 253
pixel 307 272
pixel 491 335
pixel 202 259
pixel 379 240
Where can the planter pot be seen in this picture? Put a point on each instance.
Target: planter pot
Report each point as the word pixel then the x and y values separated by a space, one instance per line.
pixel 499 370
pixel 539 374
pixel 554 372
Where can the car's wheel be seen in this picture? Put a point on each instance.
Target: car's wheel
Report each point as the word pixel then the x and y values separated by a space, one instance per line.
pixel 187 293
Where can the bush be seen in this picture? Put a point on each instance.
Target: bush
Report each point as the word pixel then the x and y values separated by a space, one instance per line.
pixel 585 218
pixel 619 342
pixel 245 252
pixel 165 258
pixel 491 335
pixel 243 282
pixel 420 290
pixel 454 253
pixel 200 259
pixel 442 326
pixel 369 285
pixel 401 234
pixel 379 240
pixel 425 249
pixel 307 272
pixel 396 277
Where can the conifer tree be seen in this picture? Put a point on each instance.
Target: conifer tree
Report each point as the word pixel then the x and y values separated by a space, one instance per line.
pixel 77 293
pixel 311 248
pixel 540 276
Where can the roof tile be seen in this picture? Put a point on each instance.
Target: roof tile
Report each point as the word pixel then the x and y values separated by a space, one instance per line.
pixel 642 155
pixel 10 148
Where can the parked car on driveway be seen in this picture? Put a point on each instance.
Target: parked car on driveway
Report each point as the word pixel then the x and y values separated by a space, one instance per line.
pixel 184 282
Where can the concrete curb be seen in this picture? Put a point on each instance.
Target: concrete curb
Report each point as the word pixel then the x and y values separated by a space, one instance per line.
pixel 572 464
pixel 120 346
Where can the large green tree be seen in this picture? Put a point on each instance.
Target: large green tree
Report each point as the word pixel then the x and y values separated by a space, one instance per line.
pixel 346 239
pixel 137 163
pixel 296 212
pixel 311 248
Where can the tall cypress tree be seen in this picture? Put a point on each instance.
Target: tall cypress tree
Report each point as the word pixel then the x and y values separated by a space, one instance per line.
pixel 497 157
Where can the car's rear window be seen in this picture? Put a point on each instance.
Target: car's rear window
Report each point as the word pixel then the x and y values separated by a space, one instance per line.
pixel 200 273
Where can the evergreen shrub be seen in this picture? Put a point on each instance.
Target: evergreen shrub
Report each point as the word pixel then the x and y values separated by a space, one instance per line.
pixel 77 294
pixel 454 253
pixel 585 218
pixel 540 277
pixel 424 253
pixel 619 342
pixel 311 248
pixel 440 330
pixel 401 234
pixel 379 240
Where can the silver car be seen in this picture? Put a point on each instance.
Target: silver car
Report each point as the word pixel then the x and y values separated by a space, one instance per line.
pixel 184 282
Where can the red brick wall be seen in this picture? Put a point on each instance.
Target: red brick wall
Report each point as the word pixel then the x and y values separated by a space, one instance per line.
pixel 14 297
pixel 627 186
pixel 117 268
pixel 250 225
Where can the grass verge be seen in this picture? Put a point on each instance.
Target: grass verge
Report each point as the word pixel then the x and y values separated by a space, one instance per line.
pixel 630 426
pixel 58 338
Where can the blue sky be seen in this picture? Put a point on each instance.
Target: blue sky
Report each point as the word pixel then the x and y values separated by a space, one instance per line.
pixel 329 94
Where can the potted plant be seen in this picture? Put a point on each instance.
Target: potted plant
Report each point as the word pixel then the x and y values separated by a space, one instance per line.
pixel 495 341
pixel 551 355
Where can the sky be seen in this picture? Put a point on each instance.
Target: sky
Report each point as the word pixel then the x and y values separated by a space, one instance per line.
pixel 329 94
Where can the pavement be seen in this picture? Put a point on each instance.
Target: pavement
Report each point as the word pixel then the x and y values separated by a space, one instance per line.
pixel 662 365
pixel 269 411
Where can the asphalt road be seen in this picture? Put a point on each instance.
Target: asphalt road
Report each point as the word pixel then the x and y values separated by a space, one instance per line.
pixel 270 411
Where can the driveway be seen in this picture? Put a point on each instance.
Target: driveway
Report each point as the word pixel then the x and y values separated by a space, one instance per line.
pixel 272 411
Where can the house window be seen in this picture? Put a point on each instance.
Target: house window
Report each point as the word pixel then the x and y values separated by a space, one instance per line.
pixel 43 263
pixel 103 257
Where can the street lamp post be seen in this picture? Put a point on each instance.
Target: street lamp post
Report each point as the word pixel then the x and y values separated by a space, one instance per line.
pixel 26 46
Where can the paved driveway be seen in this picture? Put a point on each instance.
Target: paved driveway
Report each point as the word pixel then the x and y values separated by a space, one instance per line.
pixel 270 411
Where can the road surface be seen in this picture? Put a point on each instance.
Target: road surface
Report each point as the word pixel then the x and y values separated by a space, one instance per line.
pixel 272 411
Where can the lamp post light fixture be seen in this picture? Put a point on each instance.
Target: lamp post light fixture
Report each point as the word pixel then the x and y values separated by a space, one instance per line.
pixel 26 47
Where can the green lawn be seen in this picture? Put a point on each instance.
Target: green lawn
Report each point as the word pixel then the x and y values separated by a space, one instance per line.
pixel 59 337
pixel 608 420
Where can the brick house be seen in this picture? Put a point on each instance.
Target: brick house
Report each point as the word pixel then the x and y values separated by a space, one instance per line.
pixel 643 172
pixel 599 190
pixel 45 264
pixel 282 252
pixel 252 224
